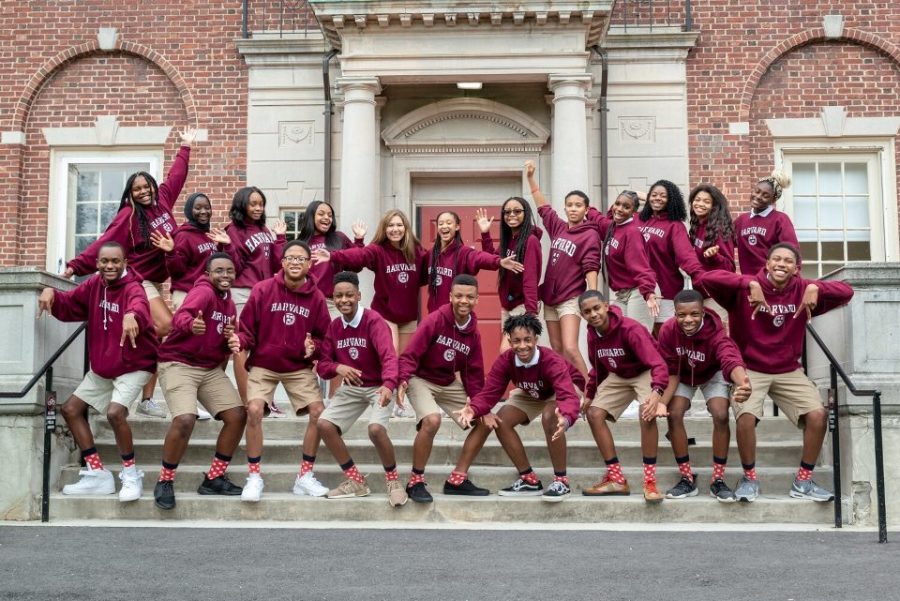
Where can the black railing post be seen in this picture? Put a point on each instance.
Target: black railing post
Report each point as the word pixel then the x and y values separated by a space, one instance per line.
pixel 834 426
pixel 879 468
pixel 49 427
pixel 244 30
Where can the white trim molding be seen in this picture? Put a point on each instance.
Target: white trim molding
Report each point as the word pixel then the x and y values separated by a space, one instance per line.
pixel 107 132
pixel 12 137
pixel 834 123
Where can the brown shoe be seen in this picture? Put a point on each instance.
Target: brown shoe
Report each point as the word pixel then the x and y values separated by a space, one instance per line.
pixel 348 488
pixel 651 495
pixel 607 488
pixel 397 496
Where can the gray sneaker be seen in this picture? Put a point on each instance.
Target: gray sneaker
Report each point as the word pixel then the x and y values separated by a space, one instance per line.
pixel 151 408
pixel 807 489
pixel 747 490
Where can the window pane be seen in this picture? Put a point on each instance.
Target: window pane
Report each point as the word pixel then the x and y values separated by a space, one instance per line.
pixel 833 251
pixel 856 178
pixel 809 251
pixel 859 251
pixel 108 211
pixel 82 242
pixel 88 185
pixel 290 218
pixel 830 178
pixel 831 212
pixel 86 218
pixel 804 212
pixel 857 211
pixel 828 268
pixel 804 176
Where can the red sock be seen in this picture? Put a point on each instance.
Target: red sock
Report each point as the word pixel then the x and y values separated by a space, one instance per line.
pixel 649 473
pixel 614 472
pixel 391 474
pixel 529 477
pixel 307 464
pixel 92 459
pixel 750 471
pixel 563 479
pixel 218 467
pixel 684 467
pixel 457 478
pixel 416 478
pixel 718 471
pixel 353 474
pixel 253 465
pixel 805 471
pixel 167 472
pixel 128 460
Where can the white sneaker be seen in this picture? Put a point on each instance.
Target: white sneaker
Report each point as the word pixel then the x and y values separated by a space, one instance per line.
pixel 132 485
pixel 252 488
pixel 92 482
pixel 151 408
pixel 202 413
pixel 309 486
pixel 633 411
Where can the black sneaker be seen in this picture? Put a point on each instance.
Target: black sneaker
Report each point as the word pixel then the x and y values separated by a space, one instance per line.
pixel 418 493
pixel 556 492
pixel 720 491
pixel 219 486
pixel 465 488
pixel 685 488
pixel 164 495
pixel 520 488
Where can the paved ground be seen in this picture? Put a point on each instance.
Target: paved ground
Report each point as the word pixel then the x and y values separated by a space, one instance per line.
pixel 74 563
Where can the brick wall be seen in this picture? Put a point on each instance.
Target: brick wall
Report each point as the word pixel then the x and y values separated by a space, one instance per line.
pixel 176 65
pixel 748 66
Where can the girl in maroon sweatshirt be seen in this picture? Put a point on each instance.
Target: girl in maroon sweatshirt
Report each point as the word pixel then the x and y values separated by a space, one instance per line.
pixel 400 266
pixel 668 247
pixel 546 385
pixel 625 364
pixel 319 230
pixel 699 354
pixel 193 243
pixel 572 268
pixel 520 238
pixel 769 312
pixel 712 234
pixel 764 226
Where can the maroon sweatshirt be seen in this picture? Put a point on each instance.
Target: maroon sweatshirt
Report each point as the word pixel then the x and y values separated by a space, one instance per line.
pixel 258 251
pixel 367 346
pixel 454 260
pixel 325 272
pixel 210 349
pixel 276 320
pixel 551 375
pixel 396 280
pixel 669 248
pixel 515 289
pixel 696 359
pixel 573 253
pixel 627 350
pixel 756 235
pixel 771 343
pixel 626 260
pixel 440 348
pixel 187 261
pixel 125 229
pixel 104 307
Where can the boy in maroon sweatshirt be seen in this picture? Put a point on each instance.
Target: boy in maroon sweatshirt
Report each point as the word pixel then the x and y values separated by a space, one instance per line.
pixel 359 348
pixel 625 365
pixel 190 369
pixel 768 313
pixel 546 386
pixel 282 321
pixel 699 354
pixel 447 342
pixel 122 351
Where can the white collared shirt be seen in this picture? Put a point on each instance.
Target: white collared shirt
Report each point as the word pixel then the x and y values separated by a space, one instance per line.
pixel 465 325
pixel 354 323
pixel 533 362
pixel 765 213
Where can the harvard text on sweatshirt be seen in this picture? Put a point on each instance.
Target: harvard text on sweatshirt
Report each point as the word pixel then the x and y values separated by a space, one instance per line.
pixel 210 349
pixel 756 234
pixel 365 343
pixel 573 253
pixel 669 248
pixel 258 253
pixel 696 359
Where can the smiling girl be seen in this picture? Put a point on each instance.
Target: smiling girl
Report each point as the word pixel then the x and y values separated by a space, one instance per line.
pixel 763 227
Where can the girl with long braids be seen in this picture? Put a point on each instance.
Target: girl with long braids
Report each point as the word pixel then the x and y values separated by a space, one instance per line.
pixel 319 230
pixel 520 238
pixel 763 227
pixel 450 257
pixel 668 246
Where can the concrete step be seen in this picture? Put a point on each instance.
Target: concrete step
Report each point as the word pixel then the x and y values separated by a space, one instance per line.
pixel 280 478
pixel 291 428
pixel 581 453
pixel 280 506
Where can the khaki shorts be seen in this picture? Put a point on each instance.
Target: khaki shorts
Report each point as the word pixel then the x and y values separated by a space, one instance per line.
pixel 184 385
pixel 716 387
pixel 616 393
pixel 403 328
pixel 428 399
pixel 634 306
pixel 531 407
pixel 718 309
pixel 302 387
pixel 666 310
pixel 98 392
pixel 152 289
pixel 240 297
pixel 350 402
pixel 332 309
pixel 178 297
pixel 567 307
pixel 793 392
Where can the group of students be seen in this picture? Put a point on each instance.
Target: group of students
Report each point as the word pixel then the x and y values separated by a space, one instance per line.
pixel 290 313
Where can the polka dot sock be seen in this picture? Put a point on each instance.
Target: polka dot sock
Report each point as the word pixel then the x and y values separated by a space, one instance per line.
pixel 167 472
pixel 416 477
pixel 649 470
pixel 307 464
pixel 718 468
pixel 219 465
pixel 528 476
pixel 253 465
pixel 684 467
pixel 614 471
pixel 92 458
pixel 750 471
pixel 456 478
pixel 128 460
pixel 351 472
pixel 805 471
pixel 390 473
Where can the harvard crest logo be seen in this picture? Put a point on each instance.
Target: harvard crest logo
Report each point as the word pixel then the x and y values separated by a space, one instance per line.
pixel 354 353
pixel 751 239
pixel 289 319
pixel 403 277
pixel 449 355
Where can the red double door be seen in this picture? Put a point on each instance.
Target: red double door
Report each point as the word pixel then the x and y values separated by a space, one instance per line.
pixel 488 309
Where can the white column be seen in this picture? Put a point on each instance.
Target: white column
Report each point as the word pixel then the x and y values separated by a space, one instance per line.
pixel 570 142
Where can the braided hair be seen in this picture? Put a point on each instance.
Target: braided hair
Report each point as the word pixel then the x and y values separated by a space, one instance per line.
pixel 138 210
pixel 456 244
pixel 506 233
pixel 674 206
pixel 779 180
pixel 718 222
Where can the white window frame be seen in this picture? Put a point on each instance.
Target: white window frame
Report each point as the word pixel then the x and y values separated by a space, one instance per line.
pixel 885 235
pixel 291 209
pixel 57 206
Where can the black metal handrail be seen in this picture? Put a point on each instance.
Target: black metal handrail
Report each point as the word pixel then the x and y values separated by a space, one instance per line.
pixel 46 371
pixel 834 425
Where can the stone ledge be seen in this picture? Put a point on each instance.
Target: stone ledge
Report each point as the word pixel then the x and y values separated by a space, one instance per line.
pixel 32 278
